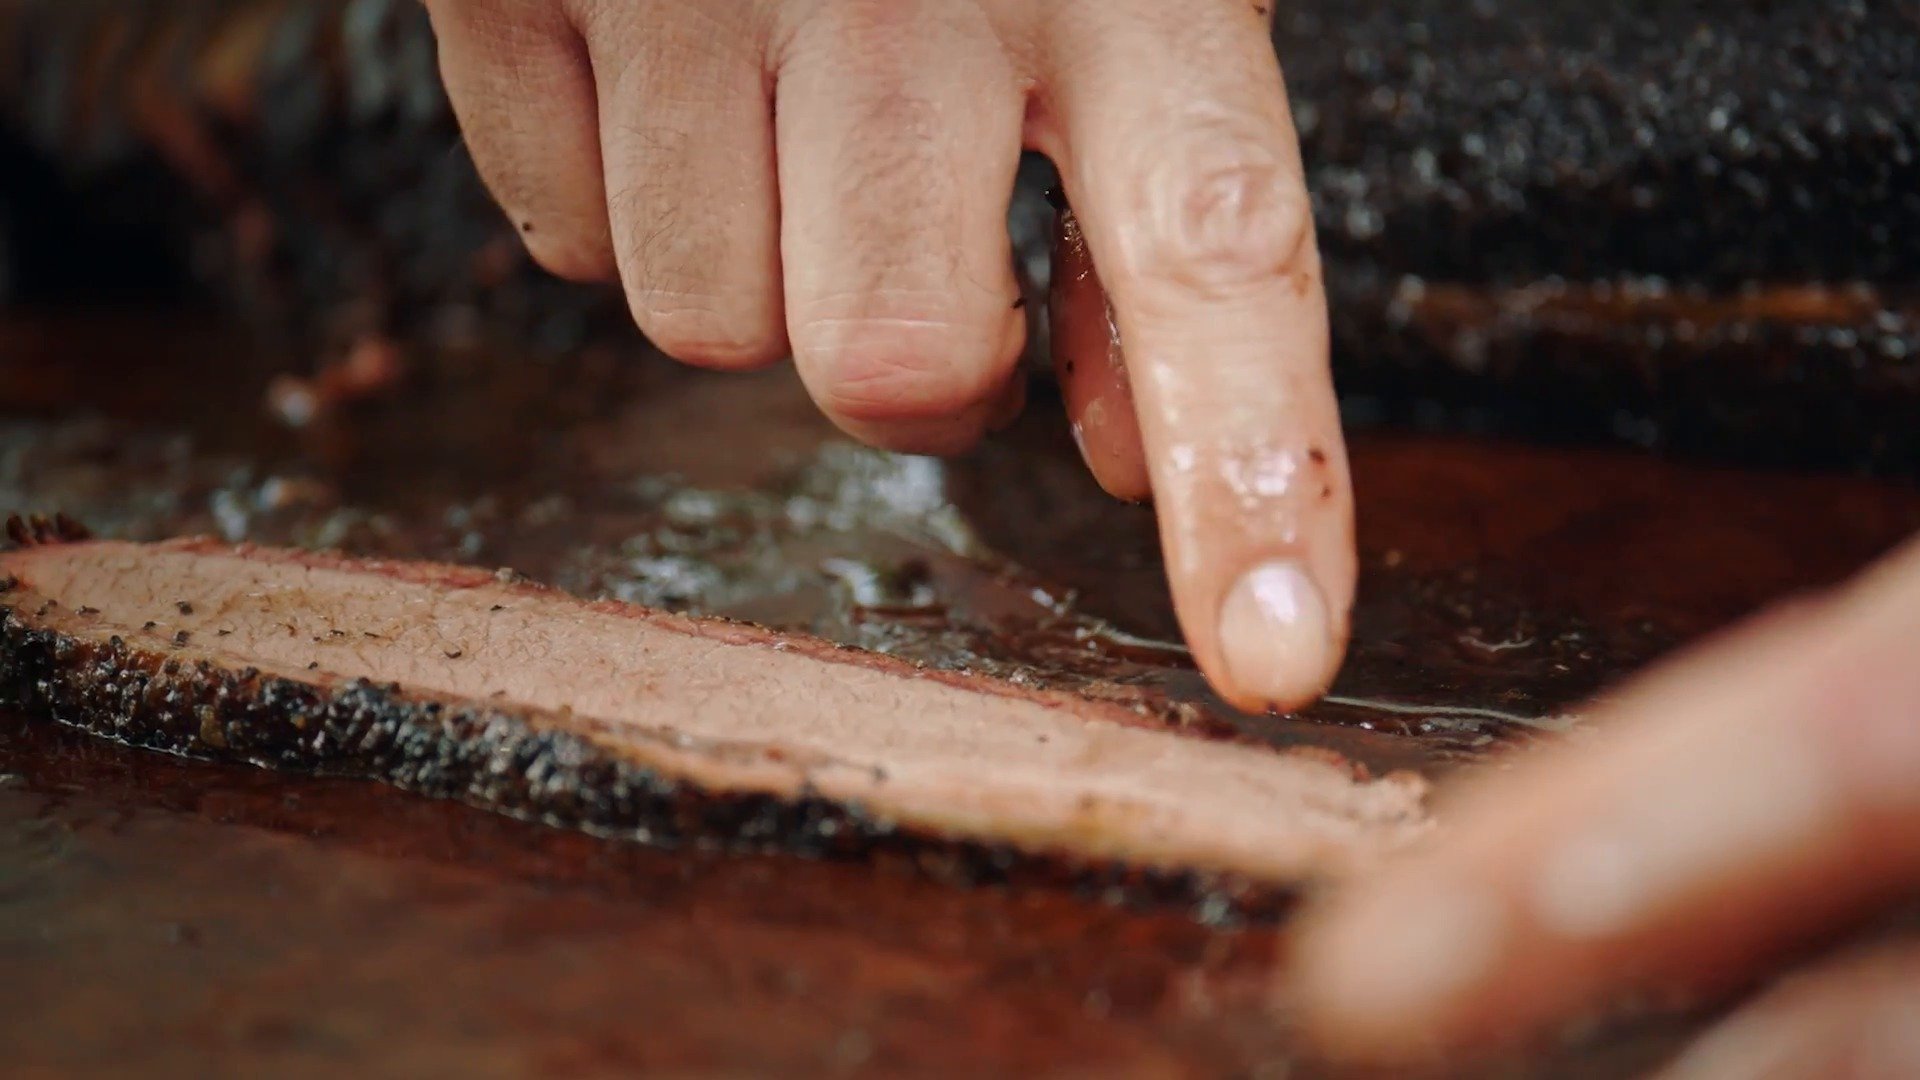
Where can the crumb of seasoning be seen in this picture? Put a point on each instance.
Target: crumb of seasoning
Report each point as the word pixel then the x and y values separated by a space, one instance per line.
pixel 150 626
pixel 84 610
pixel 370 633
pixel 498 607
pixel 181 638
pixel 314 666
pixel 455 654
pixel 222 633
pixel 185 608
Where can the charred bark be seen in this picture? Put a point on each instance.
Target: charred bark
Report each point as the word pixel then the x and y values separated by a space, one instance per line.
pixel 1659 165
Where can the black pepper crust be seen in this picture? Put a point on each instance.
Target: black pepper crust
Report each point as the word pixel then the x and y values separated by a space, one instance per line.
pixel 502 760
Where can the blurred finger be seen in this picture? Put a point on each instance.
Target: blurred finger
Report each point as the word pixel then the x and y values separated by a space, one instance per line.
pixel 1179 155
pixel 899 134
pixel 1856 1018
pixel 519 80
pixel 1749 796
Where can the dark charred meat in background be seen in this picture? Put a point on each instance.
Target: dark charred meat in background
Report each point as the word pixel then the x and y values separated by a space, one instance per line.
pixel 1751 293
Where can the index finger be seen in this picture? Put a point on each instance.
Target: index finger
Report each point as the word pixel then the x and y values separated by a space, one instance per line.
pixel 1179 156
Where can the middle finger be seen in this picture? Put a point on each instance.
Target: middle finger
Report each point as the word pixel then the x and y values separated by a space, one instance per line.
pixel 898 146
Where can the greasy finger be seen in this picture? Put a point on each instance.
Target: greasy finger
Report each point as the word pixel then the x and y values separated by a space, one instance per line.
pixel 687 132
pixel 1858 1017
pixel 899 134
pixel 1747 797
pixel 1180 159
pixel 518 77
pixel 1091 370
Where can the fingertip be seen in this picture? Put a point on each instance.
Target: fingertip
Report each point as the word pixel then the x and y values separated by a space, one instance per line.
pixel 1275 638
pixel 1260 557
pixel 910 374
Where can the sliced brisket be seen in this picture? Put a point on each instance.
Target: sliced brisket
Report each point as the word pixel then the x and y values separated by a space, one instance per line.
pixel 469 684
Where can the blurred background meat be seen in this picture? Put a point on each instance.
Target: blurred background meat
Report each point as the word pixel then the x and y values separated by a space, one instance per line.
pixel 1693 225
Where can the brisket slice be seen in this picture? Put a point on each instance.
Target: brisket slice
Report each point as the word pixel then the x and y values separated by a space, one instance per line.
pixel 468 684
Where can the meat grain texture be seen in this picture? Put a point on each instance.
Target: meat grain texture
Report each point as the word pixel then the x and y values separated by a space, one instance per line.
pixel 470 684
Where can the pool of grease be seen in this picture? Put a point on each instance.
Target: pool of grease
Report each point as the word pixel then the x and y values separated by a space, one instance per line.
pixel 181 917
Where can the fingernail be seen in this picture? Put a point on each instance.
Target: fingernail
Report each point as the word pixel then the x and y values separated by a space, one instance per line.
pixel 1397 957
pixel 1274 634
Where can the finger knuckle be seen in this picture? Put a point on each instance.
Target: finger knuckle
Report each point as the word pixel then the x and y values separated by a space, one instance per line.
pixel 874 367
pixel 568 254
pixel 691 290
pixel 661 232
pixel 709 331
pixel 935 438
pixel 856 26
pixel 1223 218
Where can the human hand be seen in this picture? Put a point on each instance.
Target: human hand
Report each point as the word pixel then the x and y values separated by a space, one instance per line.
pixel 830 179
pixel 1746 799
